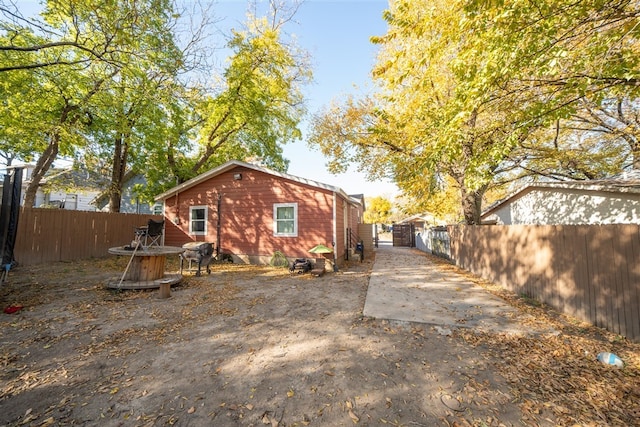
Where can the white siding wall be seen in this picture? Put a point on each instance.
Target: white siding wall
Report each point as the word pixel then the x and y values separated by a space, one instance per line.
pixel 73 201
pixel 130 202
pixel 563 206
pixel 503 215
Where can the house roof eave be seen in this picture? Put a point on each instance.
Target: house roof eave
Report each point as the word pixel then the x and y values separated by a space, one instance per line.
pixel 236 163
pixel 608 186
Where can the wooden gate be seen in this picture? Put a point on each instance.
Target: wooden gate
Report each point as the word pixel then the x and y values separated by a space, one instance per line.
pixel 403 235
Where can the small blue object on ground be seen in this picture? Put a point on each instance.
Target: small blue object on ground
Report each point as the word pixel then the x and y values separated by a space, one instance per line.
pixel 610 359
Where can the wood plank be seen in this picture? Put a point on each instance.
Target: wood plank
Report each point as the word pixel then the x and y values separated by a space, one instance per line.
pixel 49 235
pixel 591 272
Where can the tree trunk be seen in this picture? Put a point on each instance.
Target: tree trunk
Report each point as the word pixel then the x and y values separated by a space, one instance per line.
pixel 42 166
pixel 117 173
pixel 635 152
pixel 115 197
pixel 471 205
pixel 47 158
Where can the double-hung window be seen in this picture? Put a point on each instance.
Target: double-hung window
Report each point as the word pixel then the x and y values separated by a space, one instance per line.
pixel 285 219
pixel 198 220
pixel 158 209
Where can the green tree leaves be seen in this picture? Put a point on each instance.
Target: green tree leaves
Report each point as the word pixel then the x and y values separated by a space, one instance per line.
pixel 104 85
pixel 378 211
pixel 476 94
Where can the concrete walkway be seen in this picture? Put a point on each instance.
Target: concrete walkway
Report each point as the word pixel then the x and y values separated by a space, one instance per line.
pixel 406 286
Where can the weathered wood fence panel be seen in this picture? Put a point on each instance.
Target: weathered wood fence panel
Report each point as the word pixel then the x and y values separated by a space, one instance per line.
pixel 365 231
pixel 590 272
pixel 404 235
pixel 46 235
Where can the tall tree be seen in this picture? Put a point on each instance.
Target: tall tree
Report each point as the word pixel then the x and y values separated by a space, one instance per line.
pixel 21 137
pixel 73 77
pixel 573 66
pixel 110 74
pixel 467 86
pixel 378 210
pixel 256 109
pixel 421 124
pixel 101 66
pixel 129 114
pixel 261 104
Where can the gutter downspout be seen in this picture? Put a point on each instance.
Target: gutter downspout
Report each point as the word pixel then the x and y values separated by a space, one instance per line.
pixel 218 227
pixel 335 234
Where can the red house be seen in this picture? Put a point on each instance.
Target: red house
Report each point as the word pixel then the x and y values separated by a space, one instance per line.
pixel 250 212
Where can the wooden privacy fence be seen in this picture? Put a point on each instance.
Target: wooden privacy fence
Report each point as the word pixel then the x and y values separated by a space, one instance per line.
pixel 435 240
pixel 590 272
pixel 46 235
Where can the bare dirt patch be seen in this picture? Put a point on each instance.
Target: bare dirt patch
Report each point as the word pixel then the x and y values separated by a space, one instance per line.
pixel 254 346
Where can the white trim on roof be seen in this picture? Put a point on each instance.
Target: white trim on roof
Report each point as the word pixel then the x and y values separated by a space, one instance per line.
pixel 235 163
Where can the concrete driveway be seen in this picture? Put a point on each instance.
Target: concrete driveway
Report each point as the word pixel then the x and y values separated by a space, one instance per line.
pixel 406 286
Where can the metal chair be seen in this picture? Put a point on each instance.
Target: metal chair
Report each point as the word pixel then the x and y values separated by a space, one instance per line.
pixel 199 252
pixel 151 233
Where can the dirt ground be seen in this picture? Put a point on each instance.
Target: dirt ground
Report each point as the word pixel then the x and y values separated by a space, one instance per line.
pixel 255 346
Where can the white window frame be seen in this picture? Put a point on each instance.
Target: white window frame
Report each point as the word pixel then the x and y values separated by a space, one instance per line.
pixel 158 208
pixel 191 220
pixel 295 219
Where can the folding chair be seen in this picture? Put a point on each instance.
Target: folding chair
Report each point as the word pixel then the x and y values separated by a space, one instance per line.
pixel 151 233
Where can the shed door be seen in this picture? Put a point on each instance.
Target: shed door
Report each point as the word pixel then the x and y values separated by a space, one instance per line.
pixel 403 235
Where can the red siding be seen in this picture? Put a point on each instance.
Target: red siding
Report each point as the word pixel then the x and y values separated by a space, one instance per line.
pixel 356 216
pixel 246 214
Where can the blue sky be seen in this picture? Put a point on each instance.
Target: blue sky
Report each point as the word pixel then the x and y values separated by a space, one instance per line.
pixel 336 35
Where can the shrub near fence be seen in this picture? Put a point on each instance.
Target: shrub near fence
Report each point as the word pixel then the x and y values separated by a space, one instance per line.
pixel 587 271
pixel 46 235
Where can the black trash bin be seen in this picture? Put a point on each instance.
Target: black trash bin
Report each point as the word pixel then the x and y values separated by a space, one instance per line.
pixel 360 250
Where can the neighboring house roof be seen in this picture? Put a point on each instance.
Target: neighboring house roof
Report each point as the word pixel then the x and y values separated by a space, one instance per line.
pixel 358 198
pixel 236 163
pixel 426 217
pixel 72 178
pixel 626 182
pixel 103 198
